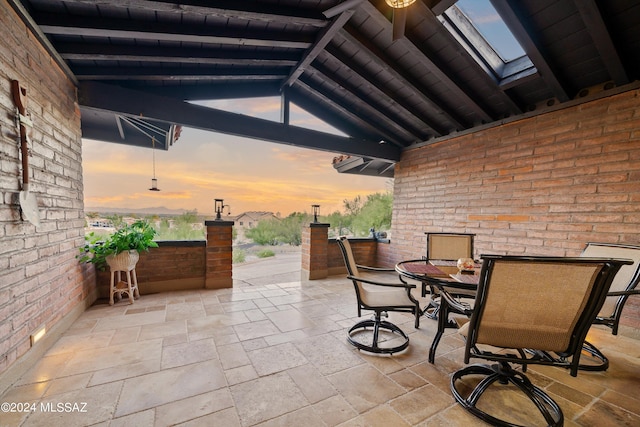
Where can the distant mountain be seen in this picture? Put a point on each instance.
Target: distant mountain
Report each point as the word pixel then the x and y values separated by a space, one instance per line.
pixel 160 210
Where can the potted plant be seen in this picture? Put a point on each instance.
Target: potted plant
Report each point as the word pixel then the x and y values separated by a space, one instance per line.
pixel 121 249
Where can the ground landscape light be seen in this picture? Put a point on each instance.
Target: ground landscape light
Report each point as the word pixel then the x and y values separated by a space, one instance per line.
pixel 37 335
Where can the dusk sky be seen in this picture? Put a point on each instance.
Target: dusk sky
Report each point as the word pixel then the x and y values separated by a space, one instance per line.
pixel 201 166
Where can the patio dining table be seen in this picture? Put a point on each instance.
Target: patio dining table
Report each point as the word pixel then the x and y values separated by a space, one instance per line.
pixel 443 274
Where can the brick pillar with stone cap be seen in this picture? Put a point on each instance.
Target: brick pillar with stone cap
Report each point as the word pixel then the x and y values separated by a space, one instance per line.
pixel 219 255
pixel 315 243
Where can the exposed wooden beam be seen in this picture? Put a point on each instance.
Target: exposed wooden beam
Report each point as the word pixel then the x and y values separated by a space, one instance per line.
pixel 344 114
pixel 515 20
pixel 364 110
pixel 325 36
pixel 600 34
pixel 439 6
pixel 175 55
pixel 55 24
pixel 381 59
pixel 126 101
pixel 201 91
pixel 372 96
pixel 347 123
pixel 182 73
pixel 228 9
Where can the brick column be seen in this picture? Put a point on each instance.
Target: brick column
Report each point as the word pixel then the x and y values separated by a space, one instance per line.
pixel 315 242
pixel 219 255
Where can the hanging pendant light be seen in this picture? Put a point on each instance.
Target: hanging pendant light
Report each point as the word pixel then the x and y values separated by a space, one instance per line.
pixel 154 181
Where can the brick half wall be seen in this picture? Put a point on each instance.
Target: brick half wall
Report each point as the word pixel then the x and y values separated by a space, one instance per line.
pixel 173 266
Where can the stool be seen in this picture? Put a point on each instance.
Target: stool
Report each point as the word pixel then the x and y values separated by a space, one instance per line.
pixel 124 262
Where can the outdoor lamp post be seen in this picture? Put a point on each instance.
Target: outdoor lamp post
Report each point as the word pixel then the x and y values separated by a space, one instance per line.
pixel 219 207
pixel 316 211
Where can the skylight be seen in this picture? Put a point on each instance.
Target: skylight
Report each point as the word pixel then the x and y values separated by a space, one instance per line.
pixel 489 23
pixel 480 29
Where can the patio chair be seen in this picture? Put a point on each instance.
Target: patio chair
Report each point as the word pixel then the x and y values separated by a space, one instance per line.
pixel 444 250
pixel 449 246
pixel 543 303
pixel 623 286
pixel 380 297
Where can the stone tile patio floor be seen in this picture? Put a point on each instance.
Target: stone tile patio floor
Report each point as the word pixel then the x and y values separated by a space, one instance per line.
pixel 272 352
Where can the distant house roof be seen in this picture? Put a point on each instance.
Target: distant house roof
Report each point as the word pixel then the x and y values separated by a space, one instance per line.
pixel 254 216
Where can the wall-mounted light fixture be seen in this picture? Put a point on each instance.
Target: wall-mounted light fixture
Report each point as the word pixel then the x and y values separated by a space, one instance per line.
pixel 316 212
pixel 219 207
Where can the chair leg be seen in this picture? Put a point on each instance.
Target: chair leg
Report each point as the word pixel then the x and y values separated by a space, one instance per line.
pixel 596 354
pixel 602 362
pixel 377 324
pixel 504 374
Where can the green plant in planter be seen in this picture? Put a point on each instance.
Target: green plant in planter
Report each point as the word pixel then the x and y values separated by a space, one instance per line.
pixel 137 236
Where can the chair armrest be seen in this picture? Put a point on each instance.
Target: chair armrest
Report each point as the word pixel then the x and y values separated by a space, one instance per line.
pixel 375 269
pixel 459 306
pixel 621 293
pixel 391 285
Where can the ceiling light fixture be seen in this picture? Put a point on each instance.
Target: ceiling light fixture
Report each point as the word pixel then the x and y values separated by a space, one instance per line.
pixel 399 4
pixel 154 181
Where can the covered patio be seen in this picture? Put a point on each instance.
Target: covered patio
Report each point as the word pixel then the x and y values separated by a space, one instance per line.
pixel 272 351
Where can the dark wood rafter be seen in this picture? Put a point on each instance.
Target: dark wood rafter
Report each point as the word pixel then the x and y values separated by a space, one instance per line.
pixel 201 91
pixel 249 10
pixel 56 24
pixel 606 48
pixel 439 6
pixel 372 96
pixel 324 38
pixel 176 55
pixel 184 73
pixel 372 116
pixel 116 99
pixel 345 122
pixel 371 79
pixel 388 65
pixel 517 24
pixel 382 131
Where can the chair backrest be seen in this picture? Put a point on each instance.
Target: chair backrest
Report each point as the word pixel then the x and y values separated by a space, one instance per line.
pixel 449 246
pixel 347 253
pixel 627 278
pixel 542 303
pixel 352 269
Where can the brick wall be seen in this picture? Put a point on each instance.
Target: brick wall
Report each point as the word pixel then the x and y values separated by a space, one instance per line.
pixel 174 265
pixel 364 252
pixel 545 185
pixel 41 282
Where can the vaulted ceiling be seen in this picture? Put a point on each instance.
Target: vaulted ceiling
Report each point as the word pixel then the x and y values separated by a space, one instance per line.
pixel 137 62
